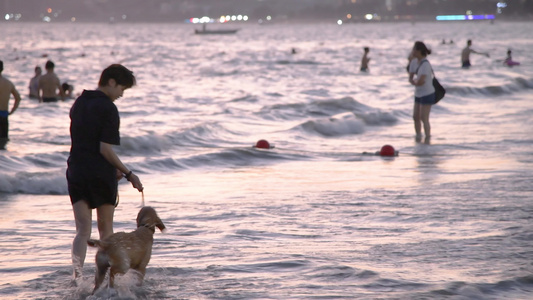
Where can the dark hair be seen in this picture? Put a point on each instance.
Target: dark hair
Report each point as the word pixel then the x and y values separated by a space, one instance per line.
pixel 49 65
pixel 65 86
pixel 37 68
pixel 420 46
pixel 366 49
pixel 1 66
pixel 119 73
pixel 469 42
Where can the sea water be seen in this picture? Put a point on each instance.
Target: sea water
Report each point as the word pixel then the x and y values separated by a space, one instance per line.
pixel 319 216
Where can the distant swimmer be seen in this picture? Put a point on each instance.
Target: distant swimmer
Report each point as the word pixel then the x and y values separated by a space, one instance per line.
pixel 509 60
pixel 34 83
pixel 465 55
pixel 293 51
pixel 7 88
pixel 365 60
pixel 49 83
pixel 68 89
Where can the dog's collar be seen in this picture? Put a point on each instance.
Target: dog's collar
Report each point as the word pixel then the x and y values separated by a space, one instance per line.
pixel 151 227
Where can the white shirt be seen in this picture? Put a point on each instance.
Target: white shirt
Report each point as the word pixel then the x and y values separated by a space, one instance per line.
pixel 423 69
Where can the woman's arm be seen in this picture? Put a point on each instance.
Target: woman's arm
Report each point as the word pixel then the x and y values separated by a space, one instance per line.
pixel 109 154
pixel 419 81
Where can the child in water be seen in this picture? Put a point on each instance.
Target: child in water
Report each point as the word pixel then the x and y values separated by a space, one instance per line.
pixel 509 60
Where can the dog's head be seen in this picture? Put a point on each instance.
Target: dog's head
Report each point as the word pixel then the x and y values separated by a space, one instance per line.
pixel 147 217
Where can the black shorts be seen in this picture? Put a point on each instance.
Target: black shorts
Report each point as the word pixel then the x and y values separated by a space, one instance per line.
pixel 4 127
pixel 49 99
pixel 94 191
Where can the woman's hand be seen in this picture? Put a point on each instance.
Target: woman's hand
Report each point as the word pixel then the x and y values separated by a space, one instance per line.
pixel 135 182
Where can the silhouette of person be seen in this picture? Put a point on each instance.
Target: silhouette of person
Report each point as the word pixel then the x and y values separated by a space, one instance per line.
pixel 7 88
pixel 465 54
pixel 34 83
pixel 365 60
pixel 49 83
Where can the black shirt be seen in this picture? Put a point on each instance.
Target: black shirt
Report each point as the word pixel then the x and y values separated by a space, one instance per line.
pixel 94 119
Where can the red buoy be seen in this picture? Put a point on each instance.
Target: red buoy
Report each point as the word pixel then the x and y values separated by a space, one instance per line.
pixel 387 150
pixel 264 144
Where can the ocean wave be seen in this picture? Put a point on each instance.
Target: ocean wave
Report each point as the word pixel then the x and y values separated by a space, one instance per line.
pixel 217 157
pixel 328 108
pixel 516 288
pixel 347 123
pixel 335 126
pixel 11 164
pixel 207 134
pixel 35 183
pixel 149 143
pixel 238 157
pixel 247 98
pixel 516 85
pixel 297 62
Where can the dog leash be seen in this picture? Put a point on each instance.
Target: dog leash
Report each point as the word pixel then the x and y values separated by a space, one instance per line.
pixel 142 199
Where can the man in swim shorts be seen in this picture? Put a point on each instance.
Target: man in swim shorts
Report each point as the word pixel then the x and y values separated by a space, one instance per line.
pixel 49 83
pixel 465 55
pixel 6 90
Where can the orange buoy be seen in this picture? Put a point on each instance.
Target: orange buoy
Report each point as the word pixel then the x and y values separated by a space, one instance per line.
pixel 387 150
pixel 264 144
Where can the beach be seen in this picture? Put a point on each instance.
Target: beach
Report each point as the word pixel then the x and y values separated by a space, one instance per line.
pixel 319 215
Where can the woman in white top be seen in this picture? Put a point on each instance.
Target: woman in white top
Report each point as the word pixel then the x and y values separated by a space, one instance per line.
pixel 421 76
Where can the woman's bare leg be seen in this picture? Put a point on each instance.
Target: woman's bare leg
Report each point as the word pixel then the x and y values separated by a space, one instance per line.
pixel 425 110
pixel 105 220
pixel 83 219
pixel 417 119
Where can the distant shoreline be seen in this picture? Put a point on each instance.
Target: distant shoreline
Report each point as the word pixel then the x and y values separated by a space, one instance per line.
pixel 288 22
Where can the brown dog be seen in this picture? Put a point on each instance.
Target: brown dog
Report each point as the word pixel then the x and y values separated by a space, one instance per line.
pixel 123 251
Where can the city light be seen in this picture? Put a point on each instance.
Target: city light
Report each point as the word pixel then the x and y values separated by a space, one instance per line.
pixel 221 19
pixel 15 17
pixel 464 17
pixel 500 6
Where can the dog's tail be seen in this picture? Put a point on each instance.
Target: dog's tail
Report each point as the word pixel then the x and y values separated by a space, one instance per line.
pixel 95 243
